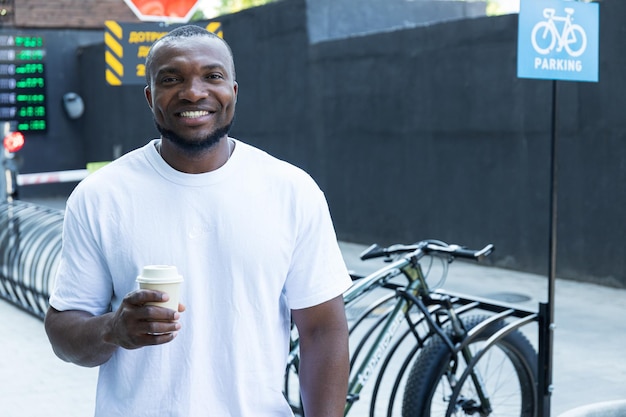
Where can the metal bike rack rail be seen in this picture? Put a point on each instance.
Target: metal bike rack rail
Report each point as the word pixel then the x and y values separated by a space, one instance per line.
pixel 30 248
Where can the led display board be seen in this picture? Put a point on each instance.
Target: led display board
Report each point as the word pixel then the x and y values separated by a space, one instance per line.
pixel 23 83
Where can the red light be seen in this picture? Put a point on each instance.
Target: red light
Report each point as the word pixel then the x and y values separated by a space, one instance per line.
pixel 14 141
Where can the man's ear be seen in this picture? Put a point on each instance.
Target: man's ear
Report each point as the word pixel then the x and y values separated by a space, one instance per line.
pixel 148 93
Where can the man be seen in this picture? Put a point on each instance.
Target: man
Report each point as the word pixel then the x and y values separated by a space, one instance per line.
pixel 251 236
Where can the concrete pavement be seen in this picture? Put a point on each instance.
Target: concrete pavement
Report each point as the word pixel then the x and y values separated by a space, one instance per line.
pixel 589 354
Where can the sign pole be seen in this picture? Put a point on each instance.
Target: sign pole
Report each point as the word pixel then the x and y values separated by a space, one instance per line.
pixel 557 40
pixel 547 333
pixel 554 169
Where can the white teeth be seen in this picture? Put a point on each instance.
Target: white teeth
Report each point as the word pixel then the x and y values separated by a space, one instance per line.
pixel 194 114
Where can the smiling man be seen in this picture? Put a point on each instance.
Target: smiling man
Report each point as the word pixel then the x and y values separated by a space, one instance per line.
pixel 192 96
pixel 251 235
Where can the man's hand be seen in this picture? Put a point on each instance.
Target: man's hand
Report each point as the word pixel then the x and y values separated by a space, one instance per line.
pixel 136 324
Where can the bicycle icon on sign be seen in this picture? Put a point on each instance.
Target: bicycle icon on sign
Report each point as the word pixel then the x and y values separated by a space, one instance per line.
pixel 545 36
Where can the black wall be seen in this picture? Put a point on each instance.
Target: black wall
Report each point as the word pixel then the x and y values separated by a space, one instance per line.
pixel 423 132
pixel 119 119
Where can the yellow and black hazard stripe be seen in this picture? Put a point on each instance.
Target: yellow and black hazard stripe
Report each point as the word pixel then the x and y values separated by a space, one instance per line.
pixel 215 27
pixel 113 39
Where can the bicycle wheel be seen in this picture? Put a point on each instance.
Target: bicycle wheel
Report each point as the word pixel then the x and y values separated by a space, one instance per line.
pixel 545 41
pixel 508 371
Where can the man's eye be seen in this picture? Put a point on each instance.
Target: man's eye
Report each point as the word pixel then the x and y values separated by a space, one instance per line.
pixel 215 76
pixel 169 80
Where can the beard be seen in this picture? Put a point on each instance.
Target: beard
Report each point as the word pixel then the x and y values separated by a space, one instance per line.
pixel 195 147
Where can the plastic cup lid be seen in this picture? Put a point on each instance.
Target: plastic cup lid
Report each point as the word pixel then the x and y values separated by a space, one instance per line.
pixel 159 273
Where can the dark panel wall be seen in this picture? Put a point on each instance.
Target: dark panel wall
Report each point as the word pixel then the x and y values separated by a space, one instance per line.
pixel 417 133
pixel 593 169
pixel 444 141
pixel 120 119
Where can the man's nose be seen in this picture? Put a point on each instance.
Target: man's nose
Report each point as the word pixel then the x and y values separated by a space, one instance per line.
pixel 194 89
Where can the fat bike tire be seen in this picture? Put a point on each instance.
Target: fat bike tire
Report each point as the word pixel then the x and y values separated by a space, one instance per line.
pixel 508 371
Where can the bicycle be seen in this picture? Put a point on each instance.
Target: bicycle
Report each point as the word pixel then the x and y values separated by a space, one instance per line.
pixel 571 34
pixel 441 347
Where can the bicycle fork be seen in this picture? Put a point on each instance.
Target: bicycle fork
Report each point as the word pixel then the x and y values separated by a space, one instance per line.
pixel 459 333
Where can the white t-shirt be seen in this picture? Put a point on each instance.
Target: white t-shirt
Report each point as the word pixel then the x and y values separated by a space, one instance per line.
pixel 252 240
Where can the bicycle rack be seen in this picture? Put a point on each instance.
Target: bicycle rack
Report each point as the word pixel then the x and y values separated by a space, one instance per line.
pixel 389 398
pixel 30 247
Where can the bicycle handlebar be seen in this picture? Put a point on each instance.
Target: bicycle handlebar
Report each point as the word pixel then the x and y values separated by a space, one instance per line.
pixel 427 246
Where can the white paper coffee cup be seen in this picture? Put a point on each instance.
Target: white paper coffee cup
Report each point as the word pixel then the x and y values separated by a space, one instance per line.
pixel 162 278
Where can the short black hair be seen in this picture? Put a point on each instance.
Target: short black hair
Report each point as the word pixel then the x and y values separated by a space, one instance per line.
pixel 181 32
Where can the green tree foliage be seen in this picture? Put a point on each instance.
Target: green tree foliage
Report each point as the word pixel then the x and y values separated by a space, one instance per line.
pixel 233 6
pixel 221 7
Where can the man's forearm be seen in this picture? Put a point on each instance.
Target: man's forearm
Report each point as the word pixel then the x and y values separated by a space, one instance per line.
pixel 79 337
pixel 324 370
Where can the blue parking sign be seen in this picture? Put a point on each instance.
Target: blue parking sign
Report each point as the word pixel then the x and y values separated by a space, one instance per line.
pixel 558 40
